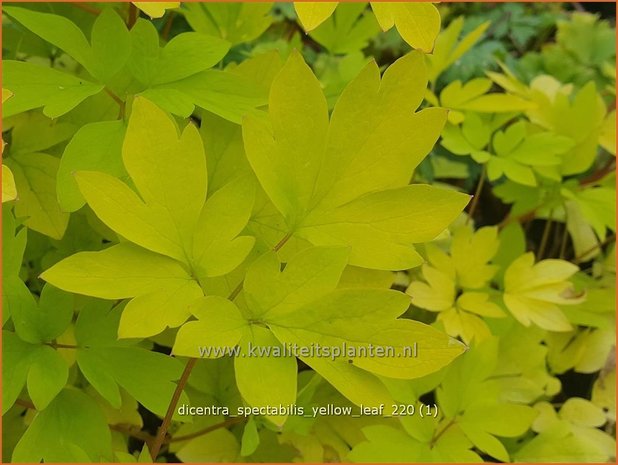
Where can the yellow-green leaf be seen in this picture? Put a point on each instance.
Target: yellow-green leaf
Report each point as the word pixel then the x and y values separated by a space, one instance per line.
pixel 119 272
pixel 532 291
pixel 219 326
pixel 156 9
pixel 9 192
pixel 316 172
pixel 417 23
pixel 35 180
pixel 312 14
pixel 265 380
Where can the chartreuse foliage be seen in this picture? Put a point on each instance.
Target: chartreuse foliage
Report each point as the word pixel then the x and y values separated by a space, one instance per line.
pixel 177 76
pixel 178 238
pixel 234 206
pixel 156 9
pixel 417 23
pixel 302 306
pixel 234 22
pixel 183 238
pixel 9 192
pixel 318 172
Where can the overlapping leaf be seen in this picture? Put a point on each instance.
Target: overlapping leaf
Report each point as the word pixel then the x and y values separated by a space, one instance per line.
pixel 234 22
pixel 15 293
pixel 177 77
pixel 180 237
pixel 532 291
pixel 301 307
pixel 457 284
pixel 28 357
pixel 51 438
pixel 347 30
pixel 109 364
pixel 324 176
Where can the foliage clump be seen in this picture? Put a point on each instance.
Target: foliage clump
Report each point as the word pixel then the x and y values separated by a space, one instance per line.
pixel 185 184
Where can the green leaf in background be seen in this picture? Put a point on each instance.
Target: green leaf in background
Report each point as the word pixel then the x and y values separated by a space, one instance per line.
pixel 597 207
pixel 183 56
pixel 53 439
pixel 312 14
pixel 440 444
pixel 250 438
pixel 48 320
pixel 590 40
pixel 39 366
pixel 347 30
pixel 461 296
pixel 200 236
pixel 225 156
pixel 417 23
pixel 35 178
pixel 557 108
pixel 474 96
pixel 449 47
pixel 33 132
pixel 234 22
pixel 36 86
pixel 519 153
pixel 564 436
pixel 109 364
pixel 532 291
pixel 110 46
pixel 95 147
pixel 180 78
pixel 15 294
pixel 55 29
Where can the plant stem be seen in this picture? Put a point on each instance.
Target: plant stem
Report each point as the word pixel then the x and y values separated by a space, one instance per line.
pixel 609 167
pixel 162 431
pixel 132 16
pixel 121 428
pixel 563 241
pixel 581 256
pixel 182 382
pixel 282 242
pixel 85 7
pixel 236 291
pixel 168 26
pixel 477 194
pixel 25 403
pixel 545 236
pixel 56 345
pixel 118 100
pixel 223 424
pixel 137 434
pixel 437 436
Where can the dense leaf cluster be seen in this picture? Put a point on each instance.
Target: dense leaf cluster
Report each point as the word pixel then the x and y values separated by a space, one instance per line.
pixel 183 183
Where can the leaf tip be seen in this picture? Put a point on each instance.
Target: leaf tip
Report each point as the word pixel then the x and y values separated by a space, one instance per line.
pixel 452 342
